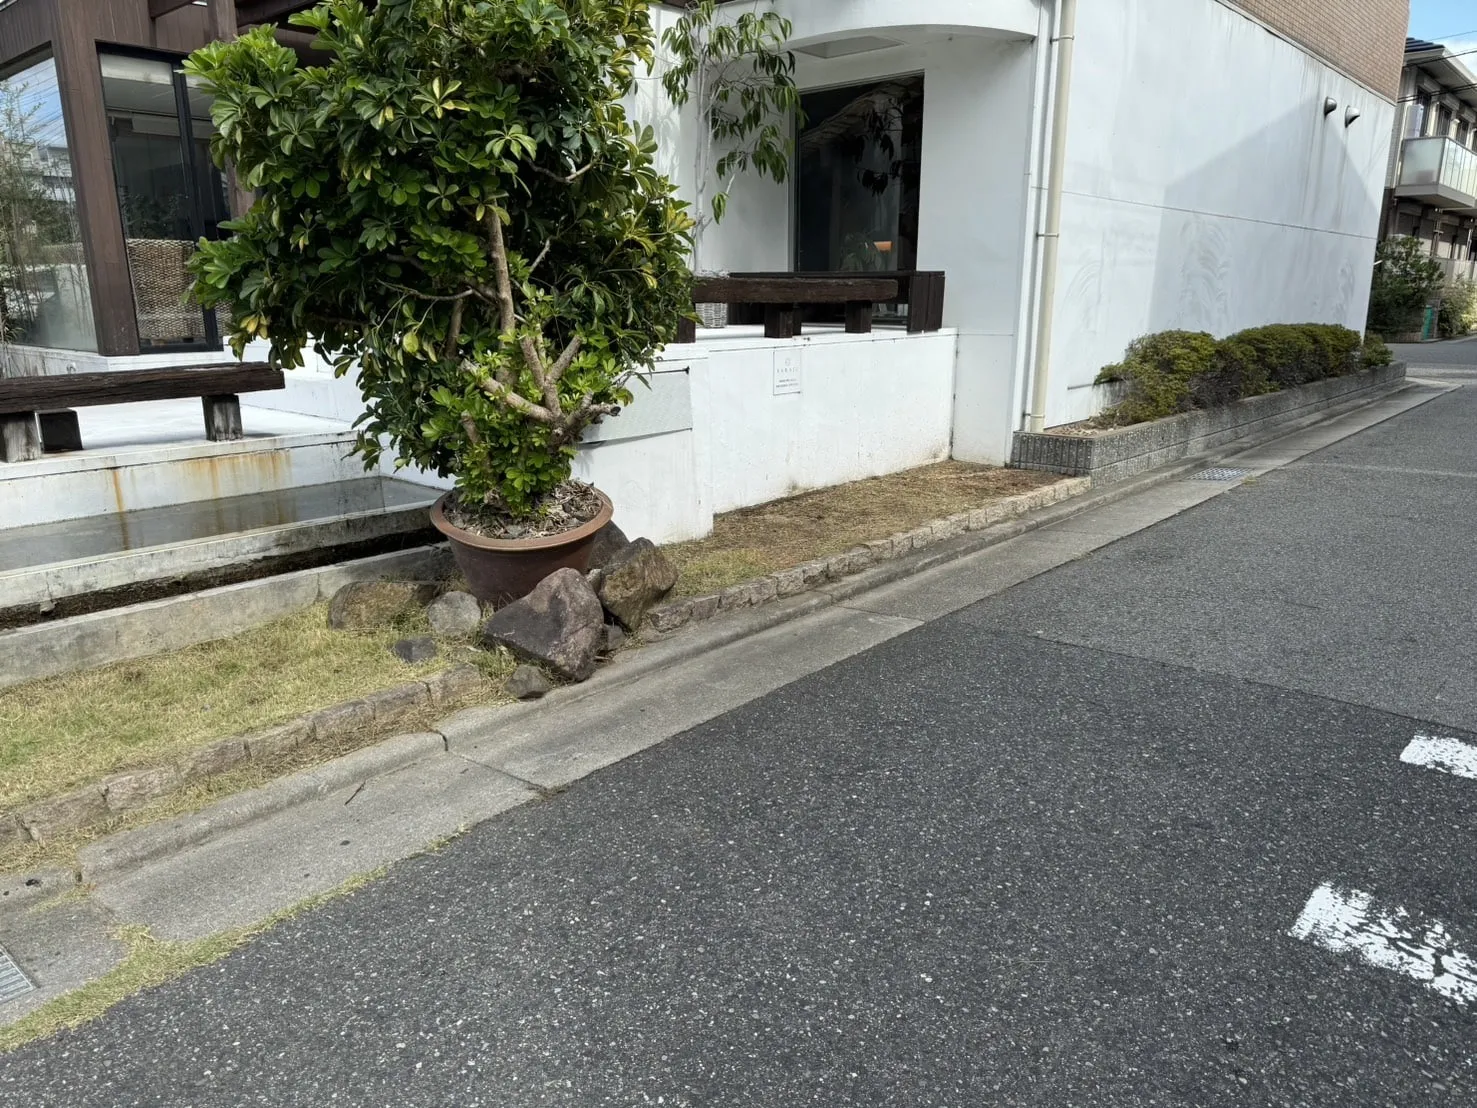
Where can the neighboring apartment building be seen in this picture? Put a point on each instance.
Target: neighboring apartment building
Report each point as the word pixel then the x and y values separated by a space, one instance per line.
pixel 1224 167
pixel 1432 184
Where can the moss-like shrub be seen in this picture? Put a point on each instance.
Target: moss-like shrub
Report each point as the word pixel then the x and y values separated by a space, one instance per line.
pixel 1376 353
pixel 1158 370
pixel 1174 371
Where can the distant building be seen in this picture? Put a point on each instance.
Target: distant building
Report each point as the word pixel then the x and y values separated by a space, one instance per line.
pixel 1432 190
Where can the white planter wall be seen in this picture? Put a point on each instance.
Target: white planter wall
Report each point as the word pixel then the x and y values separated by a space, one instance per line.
pixel 866 405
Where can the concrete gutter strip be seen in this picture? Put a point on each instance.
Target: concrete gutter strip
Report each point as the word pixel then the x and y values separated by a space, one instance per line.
pixel 475 727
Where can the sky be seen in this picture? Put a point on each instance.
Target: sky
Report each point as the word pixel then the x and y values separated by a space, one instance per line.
pixel 1441 20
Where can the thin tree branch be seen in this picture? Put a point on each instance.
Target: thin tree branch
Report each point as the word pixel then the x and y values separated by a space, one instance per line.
pixel 454 331
pixel 569 180
pixel 499 391
pixel 469 425
pixel 566 359
pixel 542 254
pixel 458 297
pixel 500 269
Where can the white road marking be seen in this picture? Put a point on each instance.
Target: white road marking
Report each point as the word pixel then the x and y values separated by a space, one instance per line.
pixel 1348 921
pixel 1447 755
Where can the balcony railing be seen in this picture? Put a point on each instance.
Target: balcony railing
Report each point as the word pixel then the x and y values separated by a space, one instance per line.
pixel 1440 171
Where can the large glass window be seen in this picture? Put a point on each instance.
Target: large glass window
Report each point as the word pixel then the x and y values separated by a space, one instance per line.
pixel 860 155
pixel 45 299
pixel 170 194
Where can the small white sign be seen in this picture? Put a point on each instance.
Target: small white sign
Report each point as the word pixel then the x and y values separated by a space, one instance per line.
pixel 786 371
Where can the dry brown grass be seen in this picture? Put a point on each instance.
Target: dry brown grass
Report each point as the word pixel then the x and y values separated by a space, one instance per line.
pixel 759 540
pixel 64 732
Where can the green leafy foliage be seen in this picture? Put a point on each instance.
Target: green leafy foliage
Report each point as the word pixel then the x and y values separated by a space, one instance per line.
pixel 458 209
pixel 1406 281
pixel 1158 369
pixel 742 79
pixel 1376 353
pixel 1458 310
pixel 1174 371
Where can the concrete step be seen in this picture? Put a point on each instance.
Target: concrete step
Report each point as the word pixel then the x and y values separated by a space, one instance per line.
pixel 81 564
pixel 144 456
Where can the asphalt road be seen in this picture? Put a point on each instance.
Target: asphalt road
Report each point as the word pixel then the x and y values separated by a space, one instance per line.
pixel 1050 850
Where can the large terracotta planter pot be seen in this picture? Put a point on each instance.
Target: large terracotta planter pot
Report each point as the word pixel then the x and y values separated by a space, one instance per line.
pixel 502 570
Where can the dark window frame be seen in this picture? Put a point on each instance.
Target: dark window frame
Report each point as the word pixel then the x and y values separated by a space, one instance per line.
pixel 200 225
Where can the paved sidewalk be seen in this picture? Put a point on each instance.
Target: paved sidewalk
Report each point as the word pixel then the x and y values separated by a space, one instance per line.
pixel 1040 838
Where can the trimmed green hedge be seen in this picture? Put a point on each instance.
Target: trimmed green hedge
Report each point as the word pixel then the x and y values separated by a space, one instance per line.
pixel 1175 371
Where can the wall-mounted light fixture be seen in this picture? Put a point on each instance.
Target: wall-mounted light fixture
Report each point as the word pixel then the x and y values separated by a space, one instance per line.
pixel 1351 115
pixel 1330 105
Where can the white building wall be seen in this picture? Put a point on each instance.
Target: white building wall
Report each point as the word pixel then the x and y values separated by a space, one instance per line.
pixel 852 406
pixel 1205 187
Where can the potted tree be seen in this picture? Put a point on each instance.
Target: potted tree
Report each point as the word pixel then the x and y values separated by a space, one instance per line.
pixel 456 209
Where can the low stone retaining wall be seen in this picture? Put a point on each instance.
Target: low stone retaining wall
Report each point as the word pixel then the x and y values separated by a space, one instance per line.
pixel 95 804
pixel 1128 451
pixel 812 575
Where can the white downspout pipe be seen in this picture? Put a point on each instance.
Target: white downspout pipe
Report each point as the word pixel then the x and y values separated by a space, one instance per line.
pixel 1051 235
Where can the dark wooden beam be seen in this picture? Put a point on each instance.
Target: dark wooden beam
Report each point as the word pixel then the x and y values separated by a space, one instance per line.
pixel 793 290
pixel 164 7
pixel 19 395
pixel 268 11
pixel 80 86
pixel 222 23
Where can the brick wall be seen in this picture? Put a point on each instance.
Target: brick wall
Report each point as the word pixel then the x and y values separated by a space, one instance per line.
pixel 1364 38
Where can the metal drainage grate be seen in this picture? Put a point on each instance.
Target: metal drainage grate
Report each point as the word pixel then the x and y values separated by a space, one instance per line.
pixel 13 982
pixel 1219 475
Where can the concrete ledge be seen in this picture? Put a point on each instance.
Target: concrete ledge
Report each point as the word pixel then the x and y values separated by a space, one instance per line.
pixel 1128 451
pixel 140 630
pixel 51 583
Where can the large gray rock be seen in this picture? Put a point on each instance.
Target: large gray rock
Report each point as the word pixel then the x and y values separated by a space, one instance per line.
pixel 636 578
pixel 422 648
pixel 455 615
pixel 527 683
pixel 366 605
pixel 610 540
pixel 560 625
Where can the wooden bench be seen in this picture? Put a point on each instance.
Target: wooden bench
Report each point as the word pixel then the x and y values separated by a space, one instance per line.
pixel 778 300
pixel 781 296
pixel 36 412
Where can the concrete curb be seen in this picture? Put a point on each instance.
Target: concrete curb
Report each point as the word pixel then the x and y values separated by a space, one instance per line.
pixel 471 726
pixel 132 848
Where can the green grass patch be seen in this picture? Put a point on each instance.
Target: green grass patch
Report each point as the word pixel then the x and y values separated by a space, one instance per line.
pixel 65 732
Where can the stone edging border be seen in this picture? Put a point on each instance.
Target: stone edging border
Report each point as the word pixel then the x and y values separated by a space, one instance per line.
pixel 127 791
pixel 813 574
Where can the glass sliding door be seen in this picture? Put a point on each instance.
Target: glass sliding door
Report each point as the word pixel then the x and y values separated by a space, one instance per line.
pixel 45 297
pixel 170 194
pixel 860 158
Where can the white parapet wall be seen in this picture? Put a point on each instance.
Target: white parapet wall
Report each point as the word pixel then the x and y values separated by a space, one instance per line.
pixel 737 419
pixel 793 414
